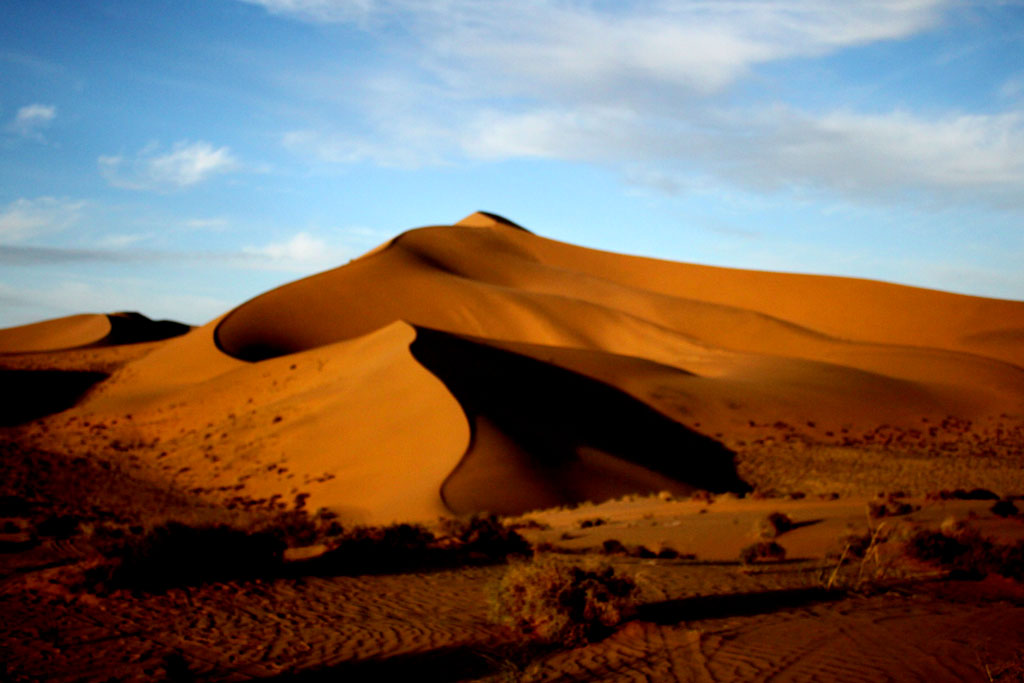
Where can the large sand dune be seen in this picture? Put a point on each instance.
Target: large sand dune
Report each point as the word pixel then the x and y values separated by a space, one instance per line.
pixel 479 366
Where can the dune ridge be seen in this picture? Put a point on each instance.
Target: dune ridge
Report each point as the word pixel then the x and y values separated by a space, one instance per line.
pixel 87 330
pixel 479 366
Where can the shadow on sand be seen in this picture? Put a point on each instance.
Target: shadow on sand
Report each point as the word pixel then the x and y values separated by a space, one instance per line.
pixel 563 436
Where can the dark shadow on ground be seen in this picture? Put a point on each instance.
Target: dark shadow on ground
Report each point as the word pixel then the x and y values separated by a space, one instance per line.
pixel 30 394
pixel 735 605
pixel 135 328
pixel 568 437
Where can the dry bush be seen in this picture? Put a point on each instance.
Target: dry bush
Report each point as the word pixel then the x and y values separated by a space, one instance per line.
pixel 175 554
pixel 556 601
pixel 774 525
pixel 484 537
pixel 369 549
pixel 861 565
pixel 591 522
pixel 613 546
pixel 891 508
pixel 967 554
pixel 762 550
pixel 1004 508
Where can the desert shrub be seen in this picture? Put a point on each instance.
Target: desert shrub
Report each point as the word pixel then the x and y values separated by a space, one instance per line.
pixel 861 563
pixel 963 494
pixel 762 550
pixel 642 552
pixel 588 523
pixel 614 546
pixel 553 600
pixel 968 554
pixel 857 545
pixel 1004 508
pixel 667 552
pixel 892 508
pixel 175 554
pixel 397 547
pixel 703 496
pixel 485 536
pixel 775 525
pixel 295 528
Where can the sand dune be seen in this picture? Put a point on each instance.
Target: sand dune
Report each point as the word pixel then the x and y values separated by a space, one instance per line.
pixel 88 329
pixel 479 366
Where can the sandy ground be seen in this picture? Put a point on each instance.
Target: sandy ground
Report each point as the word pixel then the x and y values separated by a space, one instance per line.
pixel 705 617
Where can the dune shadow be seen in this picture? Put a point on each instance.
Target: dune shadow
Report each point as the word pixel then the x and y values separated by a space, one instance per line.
pixel 543 435
pixel 703 607
pixel 30 394
pixel 135 328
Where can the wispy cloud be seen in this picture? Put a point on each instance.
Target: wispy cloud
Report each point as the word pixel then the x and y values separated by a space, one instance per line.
pixel 580 47
pixel 24 219
pixel 68 296
pixel 863 156
pixel 640 87
pixel 302 252
pixel 21 255
pixel 186 164
pixel 32 119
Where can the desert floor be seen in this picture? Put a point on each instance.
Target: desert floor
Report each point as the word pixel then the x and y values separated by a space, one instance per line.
pixel 704 616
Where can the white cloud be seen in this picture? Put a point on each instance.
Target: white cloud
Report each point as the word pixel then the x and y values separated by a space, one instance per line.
pixel 588 50
pixel 186 164
pixel 864 156
pixel 31 119
pixel 24 219
pixel 638 86
pixel 303 253
pixel 121 241
pixel 206 223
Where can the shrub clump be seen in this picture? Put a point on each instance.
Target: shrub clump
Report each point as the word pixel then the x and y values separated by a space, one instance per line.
pixel 968 554
pixel 397 547
pixel 484 537
pixel 1004 508
pixel 553 600
pixel 774 525
pixel 175 554
pixel 762 550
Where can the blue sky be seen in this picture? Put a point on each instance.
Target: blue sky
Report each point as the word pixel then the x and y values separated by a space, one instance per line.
pixel 178 157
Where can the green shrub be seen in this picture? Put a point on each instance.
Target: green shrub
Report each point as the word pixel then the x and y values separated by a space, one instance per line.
pixel 762 550
pixel 553 600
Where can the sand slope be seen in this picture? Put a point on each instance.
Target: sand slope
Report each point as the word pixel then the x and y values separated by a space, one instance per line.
pixel 479 366
pixel 85 330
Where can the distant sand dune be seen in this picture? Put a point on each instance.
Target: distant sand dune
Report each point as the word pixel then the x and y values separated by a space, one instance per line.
pixel 77 331
pixel 478 366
